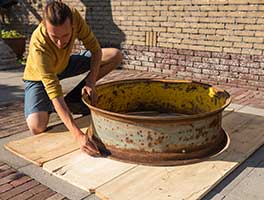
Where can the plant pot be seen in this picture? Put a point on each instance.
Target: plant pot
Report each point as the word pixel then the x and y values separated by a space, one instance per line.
pixel 18 45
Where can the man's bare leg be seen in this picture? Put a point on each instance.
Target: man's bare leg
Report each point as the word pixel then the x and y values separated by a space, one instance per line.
pixel 37 122
pixel 111 58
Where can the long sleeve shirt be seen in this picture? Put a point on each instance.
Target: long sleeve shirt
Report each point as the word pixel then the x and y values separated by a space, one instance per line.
pixel 45 60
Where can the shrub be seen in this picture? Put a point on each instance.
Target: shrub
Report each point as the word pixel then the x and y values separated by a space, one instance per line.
pixel 11 34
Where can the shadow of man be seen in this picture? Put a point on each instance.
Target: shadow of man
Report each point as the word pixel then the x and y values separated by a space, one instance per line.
pixel 99 16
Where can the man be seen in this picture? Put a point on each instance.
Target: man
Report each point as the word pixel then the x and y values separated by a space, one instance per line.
pixel 49 61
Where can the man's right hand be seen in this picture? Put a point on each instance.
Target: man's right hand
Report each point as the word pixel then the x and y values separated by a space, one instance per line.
pixel 87 146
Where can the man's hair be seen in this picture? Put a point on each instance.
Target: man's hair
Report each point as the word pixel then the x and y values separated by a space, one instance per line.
pixel 56 13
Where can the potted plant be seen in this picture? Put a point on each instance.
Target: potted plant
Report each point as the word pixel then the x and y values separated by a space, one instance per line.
pixel 15 40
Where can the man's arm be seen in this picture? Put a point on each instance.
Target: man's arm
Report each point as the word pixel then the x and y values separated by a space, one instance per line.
pixel 93 75
pixel 65 115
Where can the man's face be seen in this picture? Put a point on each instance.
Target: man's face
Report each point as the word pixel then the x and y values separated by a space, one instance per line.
pixel 60 35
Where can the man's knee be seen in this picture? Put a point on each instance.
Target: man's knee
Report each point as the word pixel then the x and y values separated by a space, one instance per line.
pixel 118 56
pixel 37 129
pixel 37 122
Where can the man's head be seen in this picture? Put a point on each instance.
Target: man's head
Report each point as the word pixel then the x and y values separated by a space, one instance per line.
pixel 57 18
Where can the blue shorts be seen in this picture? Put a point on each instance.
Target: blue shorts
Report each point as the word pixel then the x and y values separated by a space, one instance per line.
pixel 36 97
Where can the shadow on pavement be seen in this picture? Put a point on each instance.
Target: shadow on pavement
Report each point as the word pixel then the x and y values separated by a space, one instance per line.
pixel 11 93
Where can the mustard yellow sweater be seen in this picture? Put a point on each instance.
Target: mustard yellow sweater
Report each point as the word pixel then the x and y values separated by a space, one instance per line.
pixel 45 60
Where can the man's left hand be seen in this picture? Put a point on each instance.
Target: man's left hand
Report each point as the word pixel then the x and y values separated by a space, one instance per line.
pixel 90 90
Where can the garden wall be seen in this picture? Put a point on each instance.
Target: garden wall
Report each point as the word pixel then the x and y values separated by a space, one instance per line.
pixel 216 41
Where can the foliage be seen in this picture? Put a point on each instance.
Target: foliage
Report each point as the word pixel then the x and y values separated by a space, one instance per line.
pixel 22 61
pixel 11 34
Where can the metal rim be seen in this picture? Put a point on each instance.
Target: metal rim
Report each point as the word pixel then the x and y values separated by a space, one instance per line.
pixel 214 153
pixel 167 118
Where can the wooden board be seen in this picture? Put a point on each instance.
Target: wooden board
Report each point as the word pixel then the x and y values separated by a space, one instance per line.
pixel 195 180
pixel 84 171
pixel 49 145
pixel 59 155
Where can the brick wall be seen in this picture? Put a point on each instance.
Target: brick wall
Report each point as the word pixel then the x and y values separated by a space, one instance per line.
pixel 216 41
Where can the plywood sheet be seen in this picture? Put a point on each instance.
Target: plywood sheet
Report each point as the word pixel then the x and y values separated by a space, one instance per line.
pixel 84 171
pixel 59 155
pixel 49 145
pixel 195 180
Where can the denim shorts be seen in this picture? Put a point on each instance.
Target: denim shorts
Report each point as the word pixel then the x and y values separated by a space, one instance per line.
pixel 36 97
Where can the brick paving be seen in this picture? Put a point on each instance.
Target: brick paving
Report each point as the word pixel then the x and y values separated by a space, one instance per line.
pixel 18 186
pixel 12 119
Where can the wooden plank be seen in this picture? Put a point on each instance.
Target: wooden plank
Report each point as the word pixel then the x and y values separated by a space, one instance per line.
pixel 190 181
pixel 232 108
pixel 52 144
pixel 117 180
pixel 84 171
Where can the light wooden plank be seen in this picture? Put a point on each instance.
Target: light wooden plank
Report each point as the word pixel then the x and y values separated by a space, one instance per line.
pixel 232 108
pixel 190 181
pixel 84 171
pixel 52 144
pixel 116 180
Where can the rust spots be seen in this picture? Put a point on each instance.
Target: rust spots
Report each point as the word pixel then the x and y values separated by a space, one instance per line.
pixel 115 92
pixel 139 133
pixel 156 136
pixel 166 86
pixel 129 141
pixel 214 123
pixel 191 88
pixel 159 140
pixel 214 137
pixel 149 137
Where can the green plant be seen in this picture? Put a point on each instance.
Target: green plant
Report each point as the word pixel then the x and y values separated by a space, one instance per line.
pixel 22 61
pixel 11 34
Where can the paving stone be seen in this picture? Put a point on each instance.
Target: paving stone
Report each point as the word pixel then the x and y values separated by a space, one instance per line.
pixel 10 178
pixel 38 189
pixel 18 186
pixel 43 195
pixel 17 190
pixel 5 187
pixel 22 196
pixel 250 186
pixel 6 172
pixel 12 119
pixel 4 167
pixel 20 181
pixel 57 196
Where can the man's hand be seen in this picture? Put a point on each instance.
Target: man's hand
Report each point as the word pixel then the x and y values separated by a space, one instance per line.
pixel 87 146
pixel 90 90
